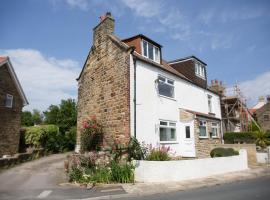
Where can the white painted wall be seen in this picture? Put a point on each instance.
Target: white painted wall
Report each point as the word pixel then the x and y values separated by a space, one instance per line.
pixel 262 157
pixel 165 171
pixel 150 107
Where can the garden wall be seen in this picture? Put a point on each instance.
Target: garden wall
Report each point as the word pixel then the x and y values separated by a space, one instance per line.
pixel 165 171
pixel 251 150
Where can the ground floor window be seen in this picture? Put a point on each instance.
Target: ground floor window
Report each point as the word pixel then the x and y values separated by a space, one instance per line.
pixel 215 129
pixel 202 129
pixel 167 131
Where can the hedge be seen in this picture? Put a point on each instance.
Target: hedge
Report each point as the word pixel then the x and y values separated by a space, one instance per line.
pixel 232 137
pixel 223 152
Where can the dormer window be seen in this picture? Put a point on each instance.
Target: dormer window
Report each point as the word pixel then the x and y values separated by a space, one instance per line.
pixel 199 70
pixel 150 51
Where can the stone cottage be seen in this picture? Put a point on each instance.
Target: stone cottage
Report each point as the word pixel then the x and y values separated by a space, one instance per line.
pixel 262 115
pixel 133 91
pixel 12 100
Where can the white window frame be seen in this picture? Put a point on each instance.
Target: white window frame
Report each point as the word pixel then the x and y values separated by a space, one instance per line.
pixel 166 82
pixel 216 126
pixel 210 106
pixel 169 125
pixel 157 60
pixel 200 70
pixel 206 129
pixel 10 98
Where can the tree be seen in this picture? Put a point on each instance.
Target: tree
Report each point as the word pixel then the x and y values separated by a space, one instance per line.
pixel 64 115
pixel 261 139
pixel 26 119
pixel 37 117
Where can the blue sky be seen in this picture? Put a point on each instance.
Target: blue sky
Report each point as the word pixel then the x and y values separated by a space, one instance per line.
pixel 48 41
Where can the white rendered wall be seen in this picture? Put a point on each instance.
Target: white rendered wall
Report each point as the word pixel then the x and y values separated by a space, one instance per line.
pixel 165 171
pixel 150 107
pixel 262 157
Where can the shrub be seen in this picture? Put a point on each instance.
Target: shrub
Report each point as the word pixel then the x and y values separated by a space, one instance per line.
pixel 136 150
pixel 262 139
pixel 158 154
pixel 75 174
pixel 69 139
pixel 223 152
pixel 247 137
pixel 91 135
pixel 43 136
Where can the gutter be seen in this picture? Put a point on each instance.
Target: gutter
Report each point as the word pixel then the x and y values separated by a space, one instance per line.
pixel 134 98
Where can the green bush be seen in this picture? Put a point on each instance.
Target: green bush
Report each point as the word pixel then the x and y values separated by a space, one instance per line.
pixel 135 150
pixel 75 174
pixel 122 173
pixel 43 136
pixel 69 139
pixel 158 154
pixel 223 152
pixel 247 137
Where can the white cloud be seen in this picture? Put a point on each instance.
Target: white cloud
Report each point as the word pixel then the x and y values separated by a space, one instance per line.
pixel 252 89
pixel 81 4
pixel 45 80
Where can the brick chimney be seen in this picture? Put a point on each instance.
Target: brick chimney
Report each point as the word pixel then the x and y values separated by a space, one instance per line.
pixel 217 86
pixel 104 28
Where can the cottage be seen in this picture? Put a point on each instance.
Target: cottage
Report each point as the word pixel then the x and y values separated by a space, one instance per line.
pixel 132 91
pixel 12 99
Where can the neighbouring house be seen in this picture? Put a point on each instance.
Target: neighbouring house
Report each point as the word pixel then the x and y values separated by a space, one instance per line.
pixel 262 114
pixel 12 100
pixel 132 91
pixel 235 114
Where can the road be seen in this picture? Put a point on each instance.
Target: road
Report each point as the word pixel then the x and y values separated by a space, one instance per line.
pixel 253 189
pixel 41 179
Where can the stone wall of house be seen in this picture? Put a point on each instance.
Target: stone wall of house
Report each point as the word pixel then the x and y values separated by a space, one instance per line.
pixel 10 118
pixel 104 86
pixel 263 116
pixel 204 145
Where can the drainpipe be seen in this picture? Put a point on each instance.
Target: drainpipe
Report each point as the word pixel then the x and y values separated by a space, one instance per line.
pixel 134 98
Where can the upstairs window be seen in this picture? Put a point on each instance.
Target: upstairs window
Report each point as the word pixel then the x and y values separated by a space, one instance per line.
pixel 150 51
pixel 199 70
pixel 266 117
pixel 167 131
pixel 209 100
pixel 165 87
pixel 9 101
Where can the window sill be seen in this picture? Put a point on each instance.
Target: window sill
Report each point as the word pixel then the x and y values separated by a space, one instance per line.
pixel 216 137
pixel 167 97
pixel 168 142
pixel 203 137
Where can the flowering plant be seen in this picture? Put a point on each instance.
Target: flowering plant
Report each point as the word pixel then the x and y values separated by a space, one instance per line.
pixel 160 153
pixel 91 134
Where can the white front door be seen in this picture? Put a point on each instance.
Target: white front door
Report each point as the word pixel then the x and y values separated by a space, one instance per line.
pixel 187 139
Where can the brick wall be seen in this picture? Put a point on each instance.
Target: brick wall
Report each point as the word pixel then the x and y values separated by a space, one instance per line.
pixel 104 86
pixel 204 145
pixel 10 118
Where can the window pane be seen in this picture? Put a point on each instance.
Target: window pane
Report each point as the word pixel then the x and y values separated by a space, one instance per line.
pixel 162 134
pixel 145 48
pixel 214 132
pixel 172 134
pixel 187 131
pixel 161 79
pixel 150 51
pixel 9 101
pixel 170 82
pixel 165 90
pixel 202 131
pixel 157 56
pixel 163 123
pixel 172 124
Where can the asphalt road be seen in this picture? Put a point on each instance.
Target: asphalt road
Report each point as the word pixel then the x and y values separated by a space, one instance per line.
pixel 253 189
pixel 42 178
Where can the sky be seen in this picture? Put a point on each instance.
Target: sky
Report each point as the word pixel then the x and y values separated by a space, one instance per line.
pixel 48 40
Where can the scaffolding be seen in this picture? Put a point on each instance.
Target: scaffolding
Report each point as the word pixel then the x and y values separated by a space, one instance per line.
pixel 236 116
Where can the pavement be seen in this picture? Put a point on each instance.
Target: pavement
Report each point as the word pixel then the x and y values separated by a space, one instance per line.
pixel 45 179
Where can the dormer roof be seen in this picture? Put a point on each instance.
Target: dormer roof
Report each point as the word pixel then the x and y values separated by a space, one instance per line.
pixel 187 58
